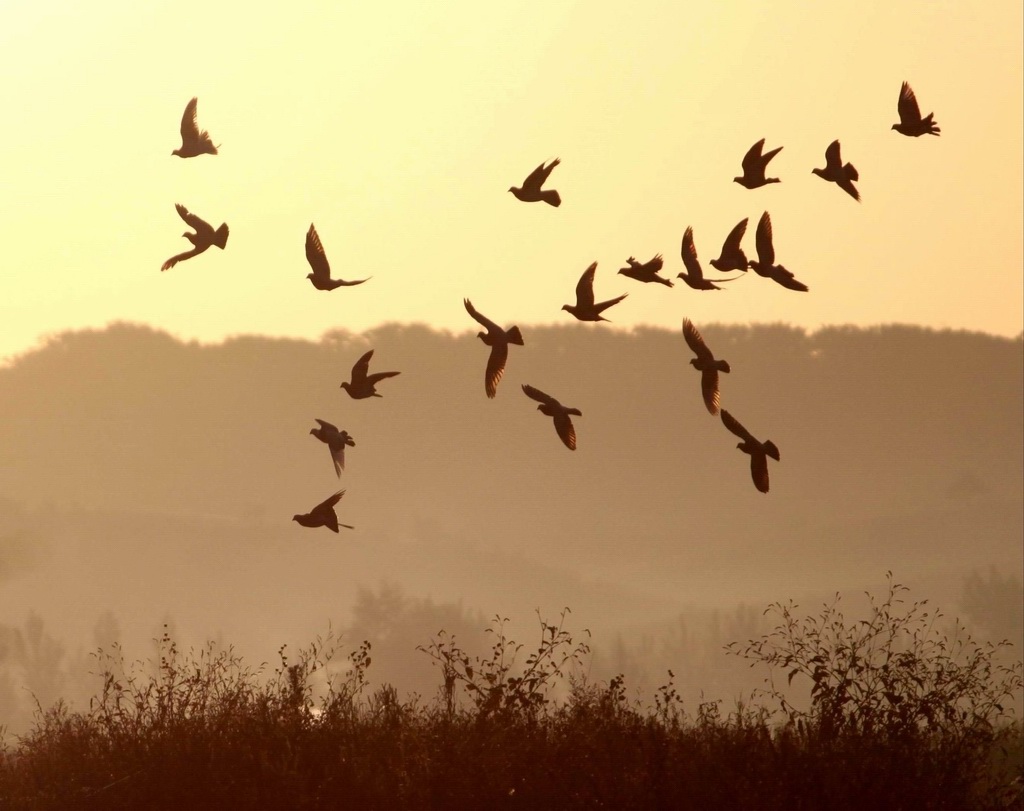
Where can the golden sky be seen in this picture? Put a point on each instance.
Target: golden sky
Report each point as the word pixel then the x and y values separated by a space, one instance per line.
pixel 397 128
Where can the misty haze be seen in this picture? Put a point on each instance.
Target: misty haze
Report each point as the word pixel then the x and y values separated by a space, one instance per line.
pixel 148 480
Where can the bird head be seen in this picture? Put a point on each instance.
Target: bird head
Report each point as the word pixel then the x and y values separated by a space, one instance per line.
pixel 309 275
pixel 895 126
pixel 681 276
pixel 693 363
pixel 313 431
pixel 296 517
pixel 512 189
pixel 483 337
pixel 176 152
pixel 738 180
pixel 567 307
pixel 345 385
pixel 818 172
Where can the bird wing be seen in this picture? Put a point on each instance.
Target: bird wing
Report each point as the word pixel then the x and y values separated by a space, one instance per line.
pixel 689 254
pixel 765 249
pixel 733 425
pixel 832 156
pixel 846 184
pixel 709 388
pixel 537 177
pixel 326 507
pixel 655 264
pixel 787 279
pixel 585 287
pixel 483 320
pixel 375 378
pixel 565 430
pixel 338 457
pixel 910 113
pixel 732 242
pixel 316 256
pixel 752 160
pixel 759 470
pixel 695 341
pixel 601 306
pixel 198 224
pixel 495 368
pixel 361 367
pixel 189 127
pixel 539 396
pixel 179 257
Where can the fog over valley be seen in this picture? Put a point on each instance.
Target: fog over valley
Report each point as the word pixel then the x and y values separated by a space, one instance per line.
pixel 147 480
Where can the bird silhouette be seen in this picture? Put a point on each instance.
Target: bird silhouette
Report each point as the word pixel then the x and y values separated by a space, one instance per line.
pixel 754 165
pixel 202 239
pixel 550 406
pixel 336 441
pixel 646 272
pixel 694 276
pixel 911 123
pixel 364 385
pixel 706 364
pixel 498 340
pixel 733 257
pixel 836 172
pixel 759 451
pixel 531 191
pixel 193 140
pixel 323 515
pixel 320 278
pixel 585 309
pixel 765 265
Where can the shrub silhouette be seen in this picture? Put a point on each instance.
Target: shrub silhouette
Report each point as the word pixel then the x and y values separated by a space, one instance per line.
pixel 897 718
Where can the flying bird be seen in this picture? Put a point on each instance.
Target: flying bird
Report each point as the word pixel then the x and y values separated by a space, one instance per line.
pixel 336 441
pixel 364 385
pixel 498 340
pixel 911 122
pixel 585 309
pixel 550 406
pixel 202 239
pixel 836 172
pixel 765 265
pixel 320 278
pixel 323 515
pixel 759 451
pixel 647 271
pixel 531 191
pixel 193 140
pixel 694 276
pixel 706 363
pixel 754 165
pixel 733 257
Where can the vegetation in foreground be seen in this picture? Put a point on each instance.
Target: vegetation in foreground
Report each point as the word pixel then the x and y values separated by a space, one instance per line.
pixel 897 716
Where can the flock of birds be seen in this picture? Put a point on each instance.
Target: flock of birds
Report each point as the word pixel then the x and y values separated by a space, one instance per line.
pixel 362 385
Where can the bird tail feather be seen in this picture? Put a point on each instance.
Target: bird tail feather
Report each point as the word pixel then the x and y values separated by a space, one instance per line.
pixel 514 336
pixel 771 450
pixel 551 197
pixel 221 236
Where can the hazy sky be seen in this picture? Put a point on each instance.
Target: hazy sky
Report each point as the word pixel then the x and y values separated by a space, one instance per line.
pixel 397 128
